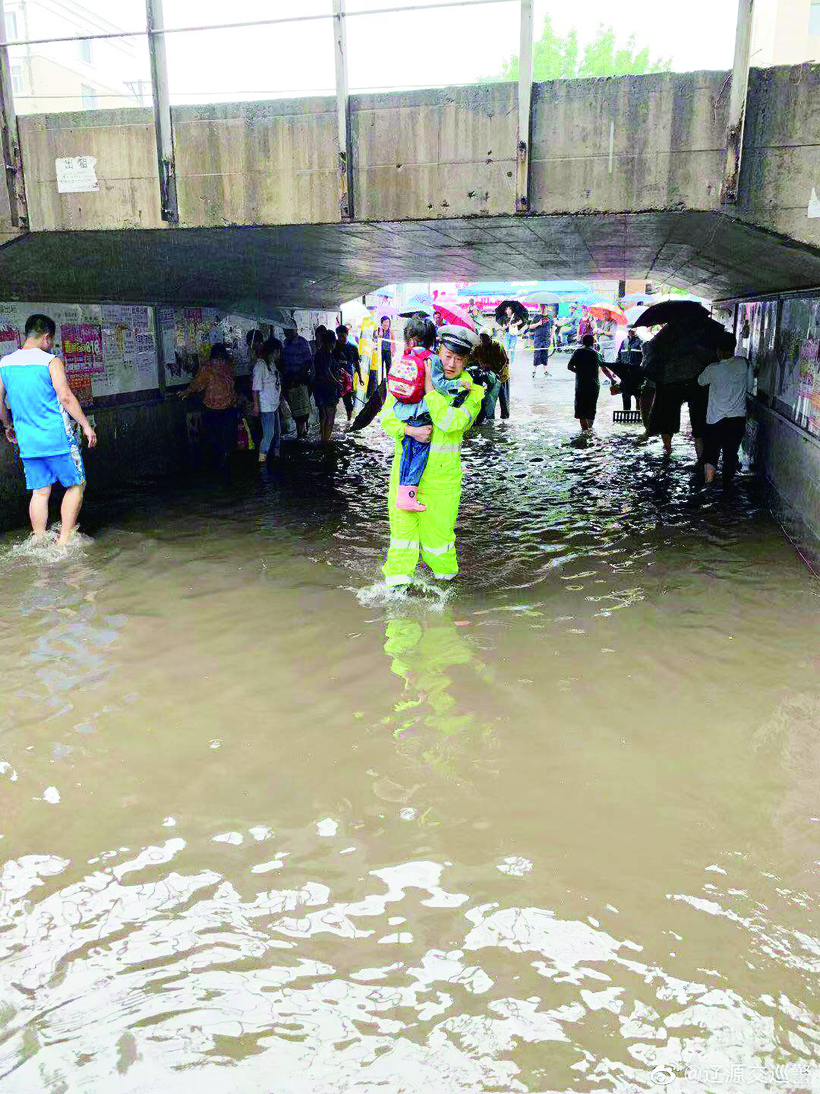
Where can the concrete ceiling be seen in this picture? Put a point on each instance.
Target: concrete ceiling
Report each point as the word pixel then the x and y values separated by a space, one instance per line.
pixel 318 265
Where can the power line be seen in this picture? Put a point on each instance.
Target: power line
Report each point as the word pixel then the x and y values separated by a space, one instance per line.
pixel 254 22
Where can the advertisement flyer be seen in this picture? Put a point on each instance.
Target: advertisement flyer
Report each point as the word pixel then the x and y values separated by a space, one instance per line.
pixel 82 349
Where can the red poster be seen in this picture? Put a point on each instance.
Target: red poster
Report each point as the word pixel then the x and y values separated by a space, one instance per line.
pixel 80 384
pixel 82 349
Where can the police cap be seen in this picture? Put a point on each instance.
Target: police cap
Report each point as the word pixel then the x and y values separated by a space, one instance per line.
pixel 461 340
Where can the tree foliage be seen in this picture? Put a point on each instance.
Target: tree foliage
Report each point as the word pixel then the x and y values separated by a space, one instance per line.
pixel 560 57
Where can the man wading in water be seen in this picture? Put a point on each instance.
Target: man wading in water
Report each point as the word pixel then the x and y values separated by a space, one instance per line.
pixel 432 531
pixel 42 404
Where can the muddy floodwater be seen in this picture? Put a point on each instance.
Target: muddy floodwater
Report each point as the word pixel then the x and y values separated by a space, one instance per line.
pixel 266 830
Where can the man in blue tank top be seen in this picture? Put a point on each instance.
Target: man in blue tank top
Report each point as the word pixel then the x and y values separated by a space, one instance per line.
pixel 34 385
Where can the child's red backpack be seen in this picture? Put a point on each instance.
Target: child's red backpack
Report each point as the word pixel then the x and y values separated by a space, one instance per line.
pixel 405 381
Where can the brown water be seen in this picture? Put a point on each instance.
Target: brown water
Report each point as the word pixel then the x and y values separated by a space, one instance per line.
pixel 266 829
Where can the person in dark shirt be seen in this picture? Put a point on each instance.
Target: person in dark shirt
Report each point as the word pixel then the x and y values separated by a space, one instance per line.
pixel 326 383
pixel 587 364
pixel 297 378
pixel 629 370
pixel 542 340
pixel 347 360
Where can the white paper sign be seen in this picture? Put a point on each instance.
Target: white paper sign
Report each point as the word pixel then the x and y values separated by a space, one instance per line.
pixel 76 175
pixel 814 205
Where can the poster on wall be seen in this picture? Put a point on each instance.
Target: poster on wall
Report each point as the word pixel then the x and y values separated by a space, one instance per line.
pixel 82 349
pixel 796 391
pixel 189 333
pixel 107 349
pixel 757 328
pixel 9 337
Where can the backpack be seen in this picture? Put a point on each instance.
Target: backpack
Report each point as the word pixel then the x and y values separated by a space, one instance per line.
pixel 405 381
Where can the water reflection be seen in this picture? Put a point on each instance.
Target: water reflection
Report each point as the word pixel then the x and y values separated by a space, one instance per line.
pixel 262 828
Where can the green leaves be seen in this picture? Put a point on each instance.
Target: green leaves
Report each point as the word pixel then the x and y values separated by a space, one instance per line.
pixel 559 57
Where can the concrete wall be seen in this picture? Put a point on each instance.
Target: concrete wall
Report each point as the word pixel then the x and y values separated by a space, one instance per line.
pixel 122 142
pixel 608 145
pixel 257 163
pixel 135 443
pixel 790 460
pixel 781 152
pixel 423 154
pixel 636 142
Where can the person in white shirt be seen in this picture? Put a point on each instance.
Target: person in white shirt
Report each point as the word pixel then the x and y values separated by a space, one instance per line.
pixel 728 380
pixel 267 394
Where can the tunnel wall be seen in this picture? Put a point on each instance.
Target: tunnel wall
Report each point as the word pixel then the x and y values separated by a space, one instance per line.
pixel 790 461
pixel 142 435
pixel 781 337
pixel 135 443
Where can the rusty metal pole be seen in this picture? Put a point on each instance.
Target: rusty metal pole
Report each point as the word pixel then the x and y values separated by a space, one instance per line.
pixel 162 111
pixel 737 102
pixel 9 139
pixel 522 176
pixel 345 165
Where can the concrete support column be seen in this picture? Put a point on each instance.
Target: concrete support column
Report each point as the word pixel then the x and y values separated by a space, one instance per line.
pixel 159 343
pixel 345 165
pixel 9 141
pixel 162 110
pixel 737 102
pixel 522 176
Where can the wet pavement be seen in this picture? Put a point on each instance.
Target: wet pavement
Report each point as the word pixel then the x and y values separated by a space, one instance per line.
pixel 266 828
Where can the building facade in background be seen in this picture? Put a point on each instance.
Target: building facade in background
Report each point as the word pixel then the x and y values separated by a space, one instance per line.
pixel 84 75
pixel 786 32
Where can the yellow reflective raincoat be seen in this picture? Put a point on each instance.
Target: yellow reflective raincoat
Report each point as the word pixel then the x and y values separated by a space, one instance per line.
pixel 431 533
pixel 365 348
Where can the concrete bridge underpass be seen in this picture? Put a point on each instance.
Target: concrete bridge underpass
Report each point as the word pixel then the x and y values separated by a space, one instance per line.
pixel 703 180
pixel 624 179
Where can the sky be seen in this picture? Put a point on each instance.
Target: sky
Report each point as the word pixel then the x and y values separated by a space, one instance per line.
pixel 408 49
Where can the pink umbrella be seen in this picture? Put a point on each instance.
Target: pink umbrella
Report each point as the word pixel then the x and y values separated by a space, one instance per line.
pixel 452 313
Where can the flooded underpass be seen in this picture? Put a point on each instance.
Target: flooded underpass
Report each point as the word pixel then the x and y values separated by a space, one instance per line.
pixel 266 829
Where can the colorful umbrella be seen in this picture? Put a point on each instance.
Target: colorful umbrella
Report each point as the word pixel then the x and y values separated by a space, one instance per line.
pixel 607 311
pixel 454 315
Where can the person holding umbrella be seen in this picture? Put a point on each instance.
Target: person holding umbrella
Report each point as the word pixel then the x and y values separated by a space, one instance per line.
pixel 512 317
pixel 431 532
pixel 673 360
pixel 513 325
pixel 542 340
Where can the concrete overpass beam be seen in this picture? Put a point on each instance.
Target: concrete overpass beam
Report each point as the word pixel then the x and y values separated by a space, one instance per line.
pixel 522 181
pixel 155 23
pixel 737 102
pixel 343 112
pixel 10 142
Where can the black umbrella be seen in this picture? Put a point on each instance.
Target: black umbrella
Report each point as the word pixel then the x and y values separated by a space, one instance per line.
pixel 371 408
pixel 672 311
pixel 519 311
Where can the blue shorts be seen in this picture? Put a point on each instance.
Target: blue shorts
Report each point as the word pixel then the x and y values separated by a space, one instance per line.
pixel 42 471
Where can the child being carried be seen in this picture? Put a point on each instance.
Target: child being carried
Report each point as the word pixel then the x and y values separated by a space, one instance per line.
pixel 406 384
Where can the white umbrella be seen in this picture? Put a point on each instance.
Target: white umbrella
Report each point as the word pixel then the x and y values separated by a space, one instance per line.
pixel 639 298
pixel 633 314
pixel 354 313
